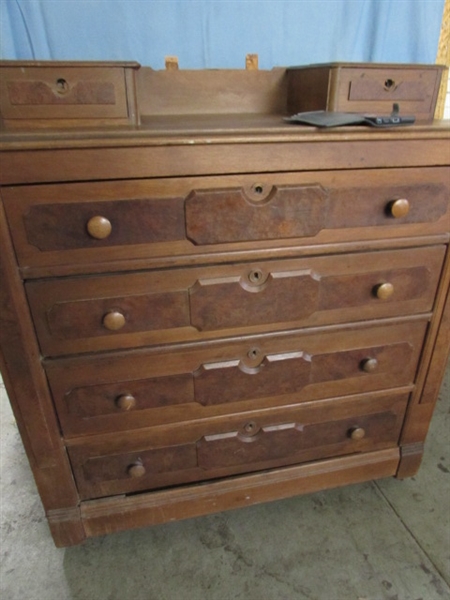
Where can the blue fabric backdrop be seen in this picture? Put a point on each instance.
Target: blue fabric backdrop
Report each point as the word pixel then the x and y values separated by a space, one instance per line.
pixel 219 33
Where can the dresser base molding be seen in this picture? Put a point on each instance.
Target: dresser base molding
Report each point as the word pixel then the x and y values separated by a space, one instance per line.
pixel 101 517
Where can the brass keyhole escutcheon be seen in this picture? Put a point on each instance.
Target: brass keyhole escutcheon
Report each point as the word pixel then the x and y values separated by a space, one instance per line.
pixel 256 276
pixel 258 192
pixel 250 429
pixel 254 353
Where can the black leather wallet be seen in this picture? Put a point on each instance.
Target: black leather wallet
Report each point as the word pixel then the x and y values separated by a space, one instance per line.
pixel 323 118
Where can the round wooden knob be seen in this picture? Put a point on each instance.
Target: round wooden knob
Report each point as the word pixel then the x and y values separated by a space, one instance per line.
pixel 357 433
pixel 399 208
pixel 369 365
pixel 126 402
pixel 383 291
pixel 99 227
pixel 114 320
pixel 137 469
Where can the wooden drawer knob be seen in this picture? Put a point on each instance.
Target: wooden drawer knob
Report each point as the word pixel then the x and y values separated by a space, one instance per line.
pixel 383 291
pixel 126 402
pixel 357 433
pixel 369 365
pixel 114 320
pixel 137 469
pixel 99 227
pixel 399 208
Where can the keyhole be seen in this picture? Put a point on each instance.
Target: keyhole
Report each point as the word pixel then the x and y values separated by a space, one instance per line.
pixel 258 189
pixel 255 276
pixel 389 84
pixel 250 427
pixel 62 86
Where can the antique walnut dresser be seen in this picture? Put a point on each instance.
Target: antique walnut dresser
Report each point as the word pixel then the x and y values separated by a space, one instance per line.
pixel 204 307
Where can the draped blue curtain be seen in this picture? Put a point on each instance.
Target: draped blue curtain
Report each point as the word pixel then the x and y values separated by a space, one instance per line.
pixel 219 33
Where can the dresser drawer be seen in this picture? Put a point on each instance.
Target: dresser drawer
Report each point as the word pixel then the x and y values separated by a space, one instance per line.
pixel 122 311
pixel 236 444
pixel 67 95
pixel 365 88
pixel 131 390
pixel 91 223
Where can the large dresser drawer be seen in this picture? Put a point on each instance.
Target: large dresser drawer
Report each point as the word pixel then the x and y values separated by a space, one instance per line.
pixel 236 444
pixel 135 389
pixel 91 223
pixel 122 311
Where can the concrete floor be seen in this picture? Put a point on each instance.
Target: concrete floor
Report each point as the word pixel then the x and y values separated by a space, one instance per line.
pixel 388 540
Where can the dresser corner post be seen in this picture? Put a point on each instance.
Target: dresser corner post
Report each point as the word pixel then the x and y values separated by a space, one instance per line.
pixel 429 381
pixel 27 389
pixel 66 526
pixel 410 460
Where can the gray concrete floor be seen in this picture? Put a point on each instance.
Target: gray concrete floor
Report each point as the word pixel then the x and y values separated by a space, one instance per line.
pixel 388 540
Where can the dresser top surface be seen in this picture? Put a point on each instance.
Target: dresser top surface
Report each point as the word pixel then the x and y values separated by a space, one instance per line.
pixel 210 129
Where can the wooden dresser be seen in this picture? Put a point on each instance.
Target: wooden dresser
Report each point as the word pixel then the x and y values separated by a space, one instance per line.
pixel 206 310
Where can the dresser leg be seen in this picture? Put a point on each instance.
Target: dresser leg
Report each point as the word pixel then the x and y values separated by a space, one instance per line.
pixel 410 459
pixel 66 526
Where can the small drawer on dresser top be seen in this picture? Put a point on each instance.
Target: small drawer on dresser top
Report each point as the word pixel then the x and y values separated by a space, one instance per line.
pixel 67 94
pixel 135 389
pixel 365 88
pixel 90 223
pixel 149 459
pixel 157 307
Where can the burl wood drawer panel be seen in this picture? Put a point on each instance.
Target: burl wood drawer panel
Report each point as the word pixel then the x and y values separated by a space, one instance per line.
pixel 130 390
pixel 87 314
pixel 159 457
pixel 91 223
